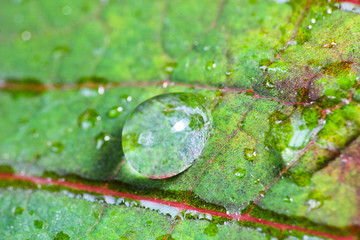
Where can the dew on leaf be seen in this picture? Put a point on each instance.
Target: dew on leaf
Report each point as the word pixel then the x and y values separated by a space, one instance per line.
pixel 316 199
pixel 26 36
pixel 66 10
pixel 60 51
pixel 38 224
pixel 169 67
pixel 101 139
pixel 88 119
pixel 56 147
pixel 229 72
pixel 148 223
pixel 34 133
pixel 240 173
pixel 166 134
pixel 114 111
pixel 210 65
pixel 287 199
pixel 249 154
pixel 268 82
pixel 126 98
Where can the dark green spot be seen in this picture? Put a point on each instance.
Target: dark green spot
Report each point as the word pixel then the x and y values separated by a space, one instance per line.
pixel 38 224
pixel 61 236
pixel 211 230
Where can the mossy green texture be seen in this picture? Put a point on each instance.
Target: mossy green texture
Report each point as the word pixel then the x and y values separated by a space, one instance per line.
pixel 280 79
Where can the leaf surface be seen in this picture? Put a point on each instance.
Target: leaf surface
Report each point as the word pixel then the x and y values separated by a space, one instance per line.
pixel 280 79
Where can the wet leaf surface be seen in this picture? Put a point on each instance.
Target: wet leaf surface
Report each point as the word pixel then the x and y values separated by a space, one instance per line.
pixel 279 78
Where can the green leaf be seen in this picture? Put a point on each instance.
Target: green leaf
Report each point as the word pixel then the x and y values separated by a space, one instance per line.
pixel 280 79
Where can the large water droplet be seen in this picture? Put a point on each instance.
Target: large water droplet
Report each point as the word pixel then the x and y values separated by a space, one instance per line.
pixel 166 134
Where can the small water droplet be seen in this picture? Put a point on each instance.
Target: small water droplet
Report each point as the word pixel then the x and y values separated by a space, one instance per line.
pixel 166 134
pixel 316 199
pixel 240 173
pixel 66 10
pixel 229 72
pixel 287 199
pixel 88 119
pixel 126 98
pixel 34 133
pixel 60 51
pixel 56 147
pixel 249 154
pixel 101 139
pixel 26 36
pixel 268 82
pixel 169 67
pixel 210 65
pixel 256 181
pixel 114 111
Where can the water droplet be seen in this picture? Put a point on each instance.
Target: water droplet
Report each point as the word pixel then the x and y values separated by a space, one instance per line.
pixel 126 98
pixel 170 67
pixel 249 154
pixel 34 133
pixel 287 199
pixel 60 51
pixel 56 147
pixel 229 72
pixel 256 181
pixel 101 139
pixel 268 82
pixel 66 10
pixel 166 134
pixel 316 199
pixel 114 111
pixel 210 65
pixel 89 118
pixel 240 173
pixel 26 36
